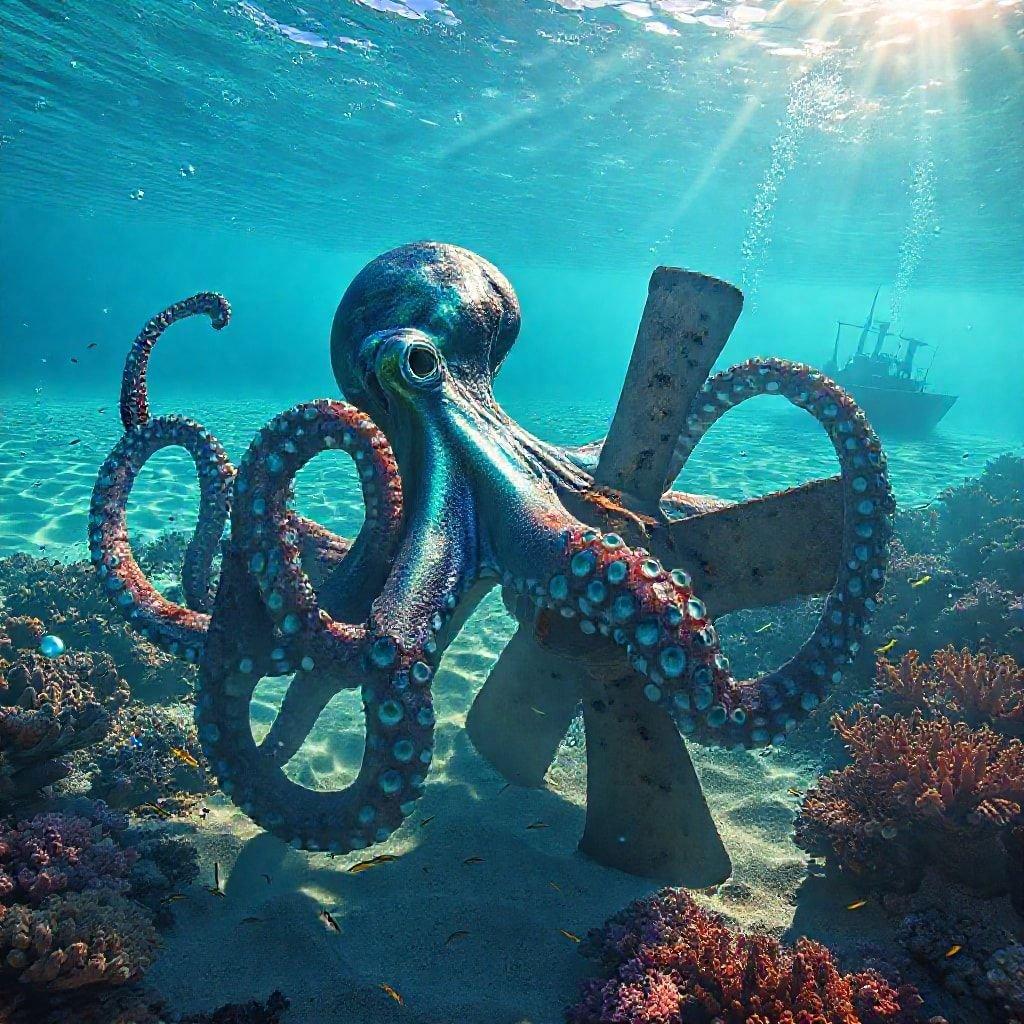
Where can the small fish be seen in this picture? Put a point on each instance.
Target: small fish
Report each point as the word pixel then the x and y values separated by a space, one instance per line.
pixel 953 950
pixel 159 811
pixel 856 904
pixel 571 936
pixel 182 755
pixel 793 791
pixel 764 628
pixel 327 918
pixel 373 862
pixel 538 824
pixel 921 582
pixel 537 711
pixel 174 897
pixel 709 890
pixel 503 788
pixel 251 920
pixel 216 873
pixel 427 820
pixel 555 887
pixel 455 935
pixel 473 860
pixel 886 648
pixel 214 891
pixel 389 991
pixel 102 409
pixel 77 440
pixel 92 344
pixel 966 455
pixel 267 877
pixel 73 359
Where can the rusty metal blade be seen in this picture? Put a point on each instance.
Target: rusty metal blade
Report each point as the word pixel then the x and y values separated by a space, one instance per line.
pixel 686 323
pixel 759 552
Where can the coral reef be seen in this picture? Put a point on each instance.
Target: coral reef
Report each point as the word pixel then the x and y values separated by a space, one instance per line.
pixel 971 946
pixel 252 1012
pixel 150 753
pixel 978 689
pixel 920 791
pixel 75 940
pixel 54 853
pixel 69 601
pixel 668 961
pixel 48 708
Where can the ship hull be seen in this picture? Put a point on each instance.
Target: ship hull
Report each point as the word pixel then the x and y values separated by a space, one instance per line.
pixel 900 412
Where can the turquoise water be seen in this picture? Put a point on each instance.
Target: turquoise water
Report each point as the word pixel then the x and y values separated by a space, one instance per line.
pixel 810 151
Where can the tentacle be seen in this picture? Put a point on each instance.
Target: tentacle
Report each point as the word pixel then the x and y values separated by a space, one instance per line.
pixel 267 619
pixel 176 629
pixel 134 392
pixel 627 595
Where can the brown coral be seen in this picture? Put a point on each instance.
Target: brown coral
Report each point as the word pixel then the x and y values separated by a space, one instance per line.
pixel 980 689
pixel 77 939
pixel 48 709
pixel 919 791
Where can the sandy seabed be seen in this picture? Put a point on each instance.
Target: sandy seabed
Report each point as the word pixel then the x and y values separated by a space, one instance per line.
pixel 475 943
pixel 467 923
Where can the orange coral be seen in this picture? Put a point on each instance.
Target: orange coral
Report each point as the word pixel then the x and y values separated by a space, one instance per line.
pixel 976 687
pixel 920 790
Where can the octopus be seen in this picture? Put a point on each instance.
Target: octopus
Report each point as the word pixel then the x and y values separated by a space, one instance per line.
pixel 614 579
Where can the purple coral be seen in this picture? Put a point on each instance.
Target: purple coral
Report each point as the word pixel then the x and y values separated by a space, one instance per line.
pixel 54 853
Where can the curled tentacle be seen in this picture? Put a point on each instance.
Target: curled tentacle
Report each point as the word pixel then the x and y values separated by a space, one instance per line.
pixel 268 620
pixel 134 391
pixel 627 595
pixel 176 629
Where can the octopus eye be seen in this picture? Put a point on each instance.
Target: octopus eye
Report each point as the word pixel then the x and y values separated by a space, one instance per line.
pixel 422 365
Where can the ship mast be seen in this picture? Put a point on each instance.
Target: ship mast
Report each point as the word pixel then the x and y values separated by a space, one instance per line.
pixel 866 329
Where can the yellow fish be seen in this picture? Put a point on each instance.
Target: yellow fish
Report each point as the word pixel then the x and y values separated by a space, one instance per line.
pixel 764 628
pixel 952 951
pixel 373 862
pixel 856 904
pixel 389 991
pixel 793 791
pixel 571 936
pixel 158 810
pixel 184 757
pixel 922 581
pixel 886 648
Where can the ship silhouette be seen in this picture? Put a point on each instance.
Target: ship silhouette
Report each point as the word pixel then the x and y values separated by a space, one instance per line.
pixel 894 396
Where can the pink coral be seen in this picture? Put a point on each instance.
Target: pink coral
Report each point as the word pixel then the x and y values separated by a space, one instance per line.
pixel 671 962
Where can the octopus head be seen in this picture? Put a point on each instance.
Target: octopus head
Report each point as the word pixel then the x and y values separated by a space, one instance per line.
pixel 462 307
